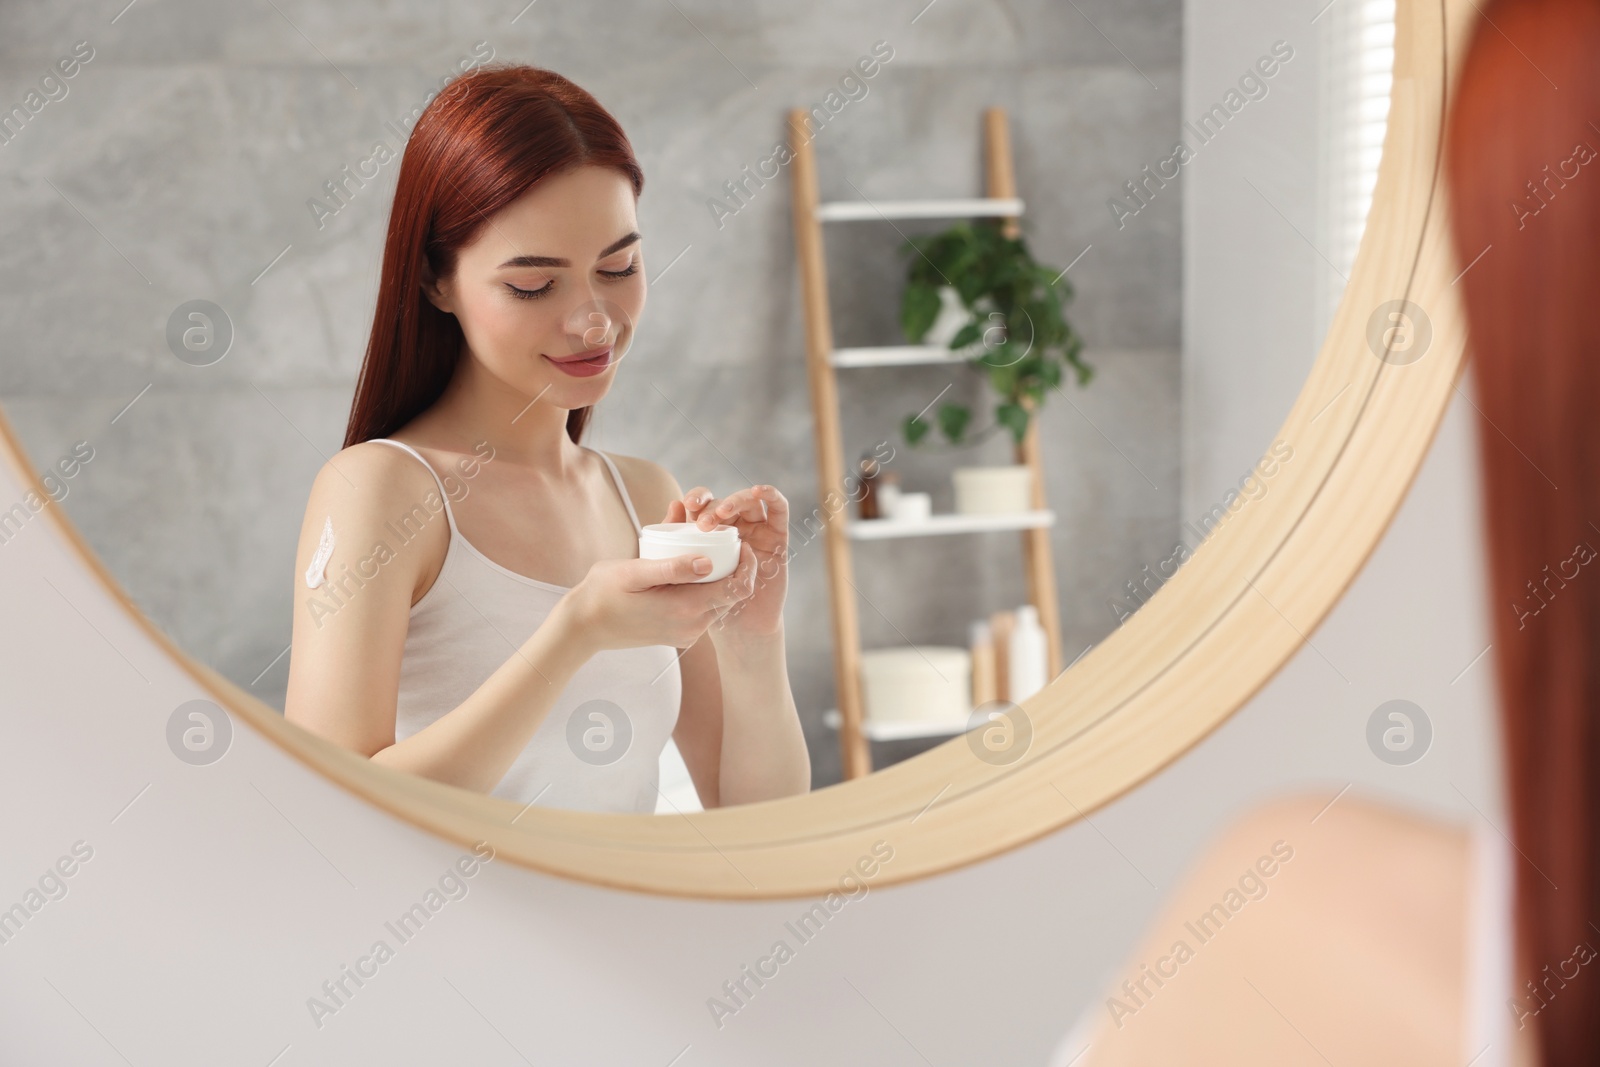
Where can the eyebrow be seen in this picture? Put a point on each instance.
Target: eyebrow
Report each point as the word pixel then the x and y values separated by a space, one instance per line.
pixel 559 261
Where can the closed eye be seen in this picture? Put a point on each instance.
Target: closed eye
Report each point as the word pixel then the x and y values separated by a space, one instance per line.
pixel 534 294
pixel 530 294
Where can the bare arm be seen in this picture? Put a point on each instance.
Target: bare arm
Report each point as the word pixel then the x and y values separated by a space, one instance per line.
pixel 698 732
pixel 738 729
pixel 349 633
pixel 474 744
pixel 763 750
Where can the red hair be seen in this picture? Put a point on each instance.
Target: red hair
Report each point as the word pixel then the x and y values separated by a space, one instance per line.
pixel 1525 191
pixel 479 145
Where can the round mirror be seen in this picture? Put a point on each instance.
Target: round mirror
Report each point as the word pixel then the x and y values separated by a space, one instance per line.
pixel 975 323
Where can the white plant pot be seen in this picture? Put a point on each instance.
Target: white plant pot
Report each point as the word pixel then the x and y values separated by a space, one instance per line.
pixel 953 315
pixel 993 490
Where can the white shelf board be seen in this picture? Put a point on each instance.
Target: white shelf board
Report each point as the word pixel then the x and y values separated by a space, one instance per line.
pixel 900 731
pixel 902 355
pixel 860 210
pixel 879 529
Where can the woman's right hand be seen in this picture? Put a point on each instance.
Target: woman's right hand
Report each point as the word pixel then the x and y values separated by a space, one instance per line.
pixel 630 603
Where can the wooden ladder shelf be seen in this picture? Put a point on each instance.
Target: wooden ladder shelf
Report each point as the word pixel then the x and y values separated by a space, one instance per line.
pixel 822 363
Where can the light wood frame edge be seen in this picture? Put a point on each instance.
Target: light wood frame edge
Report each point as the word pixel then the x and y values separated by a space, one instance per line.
pixel 1207 641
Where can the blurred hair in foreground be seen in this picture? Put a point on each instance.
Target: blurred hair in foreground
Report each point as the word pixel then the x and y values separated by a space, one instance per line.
pixel 1524 183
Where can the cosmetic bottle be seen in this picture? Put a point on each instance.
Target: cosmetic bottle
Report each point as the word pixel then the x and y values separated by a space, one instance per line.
pixel 886 491
pixel 1025 659
pixel 1000 624
pixel 870 470
pixel 984 687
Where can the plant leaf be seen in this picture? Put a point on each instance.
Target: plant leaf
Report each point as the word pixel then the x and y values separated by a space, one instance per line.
pixel 967 335
pixel 1015 418
pixel 995 275
pixel 919 307
pixel 1050 371
pixel 953 419
pixel 914 429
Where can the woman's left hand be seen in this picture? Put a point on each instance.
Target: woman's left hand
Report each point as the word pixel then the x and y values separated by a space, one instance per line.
pixel 761 514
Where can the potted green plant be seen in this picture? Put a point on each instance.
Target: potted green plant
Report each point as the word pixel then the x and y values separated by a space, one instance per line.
pixel 1015 329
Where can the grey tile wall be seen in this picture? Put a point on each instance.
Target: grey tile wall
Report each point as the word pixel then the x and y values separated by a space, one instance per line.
pixel 180 160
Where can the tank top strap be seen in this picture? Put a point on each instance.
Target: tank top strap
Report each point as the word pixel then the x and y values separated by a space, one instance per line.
pixel 621 488
pixel 443 495
pixel 1491 948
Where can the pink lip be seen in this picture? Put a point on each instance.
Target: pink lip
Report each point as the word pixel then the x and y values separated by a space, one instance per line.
pixel 585 364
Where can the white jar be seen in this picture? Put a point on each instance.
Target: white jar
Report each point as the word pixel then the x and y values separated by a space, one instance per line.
pixel 993 490
pixel 665 540
pixel 912 507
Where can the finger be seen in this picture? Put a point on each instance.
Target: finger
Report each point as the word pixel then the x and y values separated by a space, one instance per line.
pixel 708 517
pixel 695 500
pixel 733 508
pixel 676 512
pixel 676 570
pixel 739 583
pixel 742 582
pixel 758 504
pixel 751 569
pixel 743 594
pixel 743 506
pixel 777 506
pixel 742 570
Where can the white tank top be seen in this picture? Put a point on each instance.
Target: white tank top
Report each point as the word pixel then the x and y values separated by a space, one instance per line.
pixel 599 746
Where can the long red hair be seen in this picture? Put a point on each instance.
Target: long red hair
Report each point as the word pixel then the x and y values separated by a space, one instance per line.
pixel 479 145
pixel 1524 180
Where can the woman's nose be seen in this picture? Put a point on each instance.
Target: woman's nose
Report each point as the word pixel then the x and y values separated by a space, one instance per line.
pixel 595 323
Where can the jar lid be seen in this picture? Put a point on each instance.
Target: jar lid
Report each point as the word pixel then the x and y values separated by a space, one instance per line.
pixel 915 660
pixel 689 533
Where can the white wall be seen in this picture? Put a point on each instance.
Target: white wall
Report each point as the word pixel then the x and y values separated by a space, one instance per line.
pixel 1250 277
pixel 1253 309
pixel 219 898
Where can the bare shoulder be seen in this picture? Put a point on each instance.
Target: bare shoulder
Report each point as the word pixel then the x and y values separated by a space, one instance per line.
pixel 1306 896
pixel 1361 865
pixel 1347 816
pixel 650 485
pixel 363 489
pixel 368 475
pixel 372 540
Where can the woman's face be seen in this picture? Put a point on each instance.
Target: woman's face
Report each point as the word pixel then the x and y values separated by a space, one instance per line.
pixel 557 273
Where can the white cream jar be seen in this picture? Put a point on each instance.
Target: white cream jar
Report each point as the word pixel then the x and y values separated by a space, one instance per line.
pixel 664 540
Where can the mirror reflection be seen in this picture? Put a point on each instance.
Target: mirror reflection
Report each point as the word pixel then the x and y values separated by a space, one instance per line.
pixel 368 410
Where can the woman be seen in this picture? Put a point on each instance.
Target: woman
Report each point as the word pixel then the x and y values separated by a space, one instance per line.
pixel 1364 934
pixel 469 605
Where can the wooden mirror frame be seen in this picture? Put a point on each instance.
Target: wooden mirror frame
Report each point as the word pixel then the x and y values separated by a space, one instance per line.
pixel 1204 644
